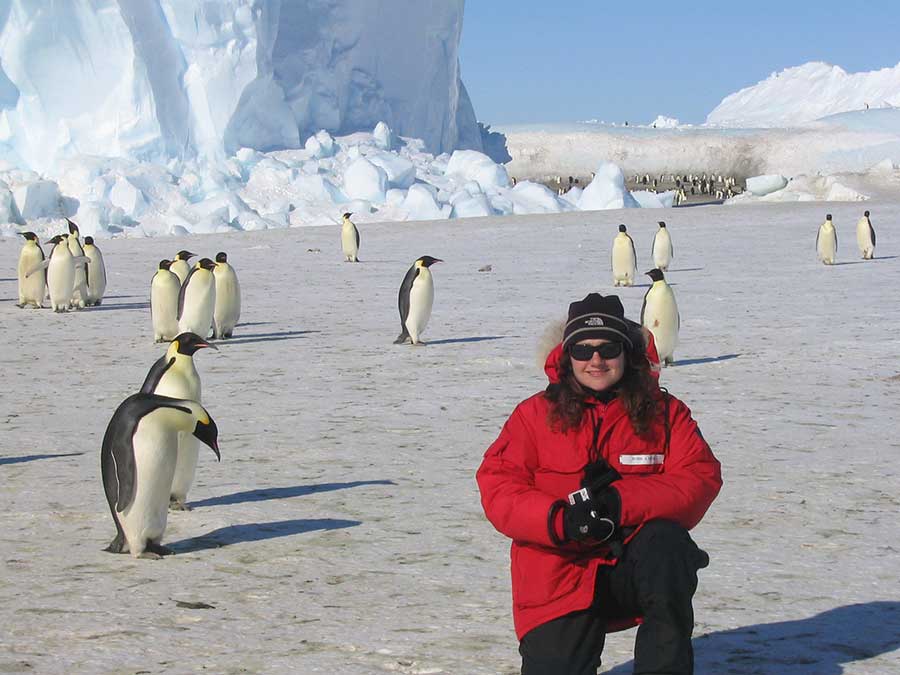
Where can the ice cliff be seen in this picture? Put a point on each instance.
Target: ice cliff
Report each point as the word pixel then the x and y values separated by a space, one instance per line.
pixel 156 80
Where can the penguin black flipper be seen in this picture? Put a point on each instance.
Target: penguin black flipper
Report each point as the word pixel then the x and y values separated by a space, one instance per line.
pixel 633 252
pixel 872 232
pixel 817 240
pixel 181 293
pixel 156 374
pixel 356 232
pixel 644 305
pixel 403 302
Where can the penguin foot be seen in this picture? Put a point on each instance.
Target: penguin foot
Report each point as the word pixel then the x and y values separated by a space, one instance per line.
pixel 419 343
pixel 117 545
pixel 20 305
pixel 402 339
pixel 150 555
pixel 157 550
pixel 178 505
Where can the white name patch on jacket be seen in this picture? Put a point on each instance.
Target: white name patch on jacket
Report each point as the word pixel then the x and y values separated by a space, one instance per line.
pixel 641 460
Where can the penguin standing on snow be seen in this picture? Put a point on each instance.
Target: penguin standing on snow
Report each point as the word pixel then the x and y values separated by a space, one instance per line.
pixel 96 274
pixel 415 300
pixel 180 265
pixel 659 315
pixel 32 275
pixel 662 251
pixel 349 239
pixel 80 289
pixel 164 291
pixel 624 259
pixel 228 298
pixel 60 273
pixel 137 461
pixel 197 299
pixel 865 237
pixel 175 375
pixel 826 241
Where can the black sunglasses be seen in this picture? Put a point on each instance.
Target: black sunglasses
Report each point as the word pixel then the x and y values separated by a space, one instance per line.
pixel 607 350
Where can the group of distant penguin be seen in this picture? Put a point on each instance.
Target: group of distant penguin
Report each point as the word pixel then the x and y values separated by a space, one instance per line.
pixel 204 298
pixel 827 241
pixel 659 311
pixel 72 277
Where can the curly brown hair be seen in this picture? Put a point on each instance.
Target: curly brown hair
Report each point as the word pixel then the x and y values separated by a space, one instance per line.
pixel 637 390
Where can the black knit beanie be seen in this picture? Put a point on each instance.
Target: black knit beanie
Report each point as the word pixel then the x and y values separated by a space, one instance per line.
pixel 597 317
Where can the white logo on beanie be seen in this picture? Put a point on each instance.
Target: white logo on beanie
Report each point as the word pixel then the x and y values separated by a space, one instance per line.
pixel 594 321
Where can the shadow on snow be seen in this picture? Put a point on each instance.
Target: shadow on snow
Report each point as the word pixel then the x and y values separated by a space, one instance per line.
pixel 483 338
pixel 120 305
pixel 264 494
pixel 818 645
pixel 264 337
pixel 237 534
pixel 31 458
pixel 708 359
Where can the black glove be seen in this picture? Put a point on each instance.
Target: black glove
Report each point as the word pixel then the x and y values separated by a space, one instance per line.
pixel 598 476
pixel 589 519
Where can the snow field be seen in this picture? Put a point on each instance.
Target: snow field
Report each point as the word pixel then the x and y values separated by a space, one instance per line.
pixel 342 531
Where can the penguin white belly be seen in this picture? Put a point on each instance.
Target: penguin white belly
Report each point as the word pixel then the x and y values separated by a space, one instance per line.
pixel 164 306
pixel 79 285
pixel 199 306
pixel 182 381
pixel 348 243
pixel 31 289
pixel 155 457
pixel 661 318
pixel 96 281
pixel 228 303
pixel 826 246
pixel 421 299
pixel 864 240
pixel 181 269
pixel 662 250
pixel 623 262
pixel 60 280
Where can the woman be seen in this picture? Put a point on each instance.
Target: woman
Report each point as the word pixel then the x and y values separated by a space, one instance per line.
pixel 617 552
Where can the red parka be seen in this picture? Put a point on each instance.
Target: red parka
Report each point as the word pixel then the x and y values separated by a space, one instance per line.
pixel 669 473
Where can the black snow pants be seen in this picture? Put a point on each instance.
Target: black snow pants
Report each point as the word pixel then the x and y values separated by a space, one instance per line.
pixel 655 578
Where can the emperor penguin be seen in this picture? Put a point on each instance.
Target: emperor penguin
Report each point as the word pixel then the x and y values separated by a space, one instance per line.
pixel 32 274
pixel 826 241
pixel 659 315
pixel 197 299
pixel 175 375
pixel 137 462
pixel 61 273
pixel 164 291
pixel 80 290
pixel 662 251
pixel 865 237
pixel 228 298
pixel 415 300
pixel 96 274
pixel 349 239
pixel 624 259
pixel 180 265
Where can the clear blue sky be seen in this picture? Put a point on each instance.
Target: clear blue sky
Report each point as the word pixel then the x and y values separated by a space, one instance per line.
pixel 536 61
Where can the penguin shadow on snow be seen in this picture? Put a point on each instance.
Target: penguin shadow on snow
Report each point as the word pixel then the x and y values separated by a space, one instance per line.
pixel 265 337
pixel 31 458
pixel 480 338
pixel 863 262
pixel 673 285
pixel 822 644
pixel 119 305
pixel 685 269
pixel 255 323
pixel 247 532
pixel 265 494
pixel 708 359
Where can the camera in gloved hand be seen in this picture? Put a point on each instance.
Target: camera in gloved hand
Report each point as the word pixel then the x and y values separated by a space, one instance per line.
pixel 593 511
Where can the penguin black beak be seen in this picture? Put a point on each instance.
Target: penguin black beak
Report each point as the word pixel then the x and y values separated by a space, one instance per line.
pixel 201 345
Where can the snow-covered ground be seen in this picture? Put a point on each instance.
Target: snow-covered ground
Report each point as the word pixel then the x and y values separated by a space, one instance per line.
pixel 342 531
